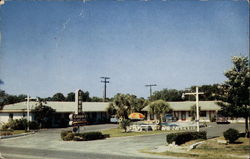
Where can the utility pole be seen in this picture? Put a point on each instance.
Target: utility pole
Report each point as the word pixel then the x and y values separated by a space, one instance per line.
pixel 28 111
pixel 150 88
pixel 196 94
pixel 105 87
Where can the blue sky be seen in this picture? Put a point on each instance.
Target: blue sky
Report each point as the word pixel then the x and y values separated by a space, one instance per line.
pixel 60 46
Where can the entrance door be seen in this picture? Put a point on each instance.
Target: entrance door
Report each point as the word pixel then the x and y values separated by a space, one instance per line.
pixel 183 115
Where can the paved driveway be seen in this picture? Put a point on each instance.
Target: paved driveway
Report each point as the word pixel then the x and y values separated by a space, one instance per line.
pixel 48 144
pixel 214 130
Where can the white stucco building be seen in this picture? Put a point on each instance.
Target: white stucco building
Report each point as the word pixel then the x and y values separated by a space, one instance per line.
pixel 181 110
pixel 95 111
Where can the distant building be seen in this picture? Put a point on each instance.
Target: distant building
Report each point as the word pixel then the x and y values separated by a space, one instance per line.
pixel 181 110
pixel 95 111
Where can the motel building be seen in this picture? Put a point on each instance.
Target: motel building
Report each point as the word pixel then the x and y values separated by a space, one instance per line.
pixel 96 112
pixel 182 110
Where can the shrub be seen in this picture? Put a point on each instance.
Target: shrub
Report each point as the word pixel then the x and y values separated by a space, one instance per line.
pixel 20 124
pixel 17 124
pixel 33 125
pixel 65 133
pixel 124 123
pixel 182 137
pixel 5 126
pixel 231 135
pixel 70 136
pixel 5 133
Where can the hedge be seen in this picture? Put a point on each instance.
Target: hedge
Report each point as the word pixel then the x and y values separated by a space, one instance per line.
pixel 182 137
pixel 82 136
pixel 90 136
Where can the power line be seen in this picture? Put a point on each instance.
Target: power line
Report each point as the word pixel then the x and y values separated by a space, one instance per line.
pixel 150 88
pixel 105 87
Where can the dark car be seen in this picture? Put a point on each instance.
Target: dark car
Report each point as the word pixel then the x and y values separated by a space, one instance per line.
pixel 222 120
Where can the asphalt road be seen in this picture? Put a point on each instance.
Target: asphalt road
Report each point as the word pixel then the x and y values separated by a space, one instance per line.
pixel 46 144
pixel 215 130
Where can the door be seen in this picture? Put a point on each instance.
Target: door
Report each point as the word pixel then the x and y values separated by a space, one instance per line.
pixel 183 115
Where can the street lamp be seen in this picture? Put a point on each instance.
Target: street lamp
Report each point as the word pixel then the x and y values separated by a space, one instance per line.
pixel 196 94
pixel 28 111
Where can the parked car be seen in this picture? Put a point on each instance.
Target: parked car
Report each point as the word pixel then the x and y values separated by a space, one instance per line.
pixel 222 120
pixel 113 119
pixel 170 118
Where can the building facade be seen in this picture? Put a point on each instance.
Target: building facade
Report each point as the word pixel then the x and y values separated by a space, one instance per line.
pixel 95 111
pixel 182 110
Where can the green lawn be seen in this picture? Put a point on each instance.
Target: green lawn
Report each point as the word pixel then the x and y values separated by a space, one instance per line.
pixel 117 132
pixel 211 150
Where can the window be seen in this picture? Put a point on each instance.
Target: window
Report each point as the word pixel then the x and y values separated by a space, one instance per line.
pixel 190 114
pixel 151 116
pixel 203 114
pixel 11 116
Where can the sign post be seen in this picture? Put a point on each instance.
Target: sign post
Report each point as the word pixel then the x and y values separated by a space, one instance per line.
pixel 78 118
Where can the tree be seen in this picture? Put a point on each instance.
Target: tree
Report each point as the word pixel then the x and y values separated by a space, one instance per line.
pixel 70 97
pixel 96 99
pixel 21 97
pixel 124 104
pixel 85 97
pixel 137 104
pixel 58 97
pixel 121 105
pixel 159 108
pixel 211 92
pixel 3 97
pixel 167 95
pixel 236 91
pixel 43 114
pixel 10 99
pixel 1 82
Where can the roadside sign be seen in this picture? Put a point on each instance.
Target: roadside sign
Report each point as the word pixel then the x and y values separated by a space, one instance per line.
pixel 74 117
pixel 78 119
pixel 79 123
pixel 78 101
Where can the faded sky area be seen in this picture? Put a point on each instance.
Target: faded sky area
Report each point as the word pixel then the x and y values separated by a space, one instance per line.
pixel 59 46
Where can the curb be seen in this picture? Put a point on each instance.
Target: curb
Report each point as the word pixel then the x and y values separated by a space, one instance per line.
pixel 193 146
pixel 17 135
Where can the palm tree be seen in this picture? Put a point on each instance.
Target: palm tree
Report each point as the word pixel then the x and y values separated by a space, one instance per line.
pixel 159 108
pixel 121 106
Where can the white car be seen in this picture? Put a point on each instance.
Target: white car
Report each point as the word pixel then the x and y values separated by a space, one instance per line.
pixel 113 119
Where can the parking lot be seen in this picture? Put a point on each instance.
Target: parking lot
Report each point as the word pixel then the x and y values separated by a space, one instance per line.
pixel 48 144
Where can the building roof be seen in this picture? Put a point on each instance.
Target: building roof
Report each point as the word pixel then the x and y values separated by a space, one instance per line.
pixel 58 106
pixel 70 107
pixel 186 105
